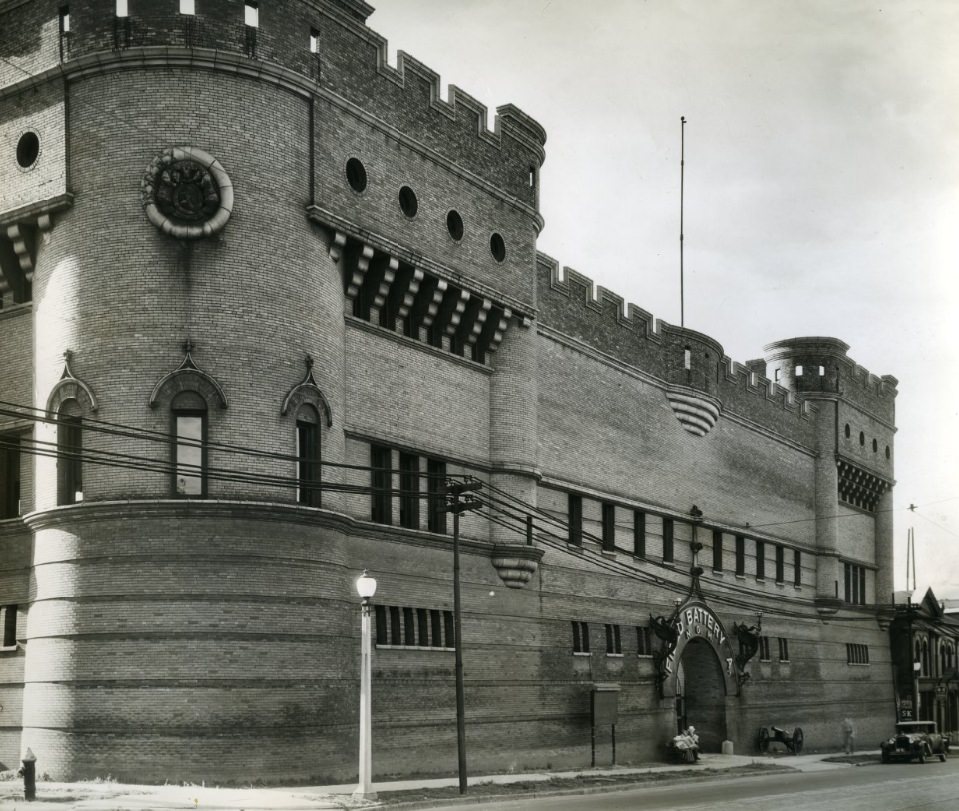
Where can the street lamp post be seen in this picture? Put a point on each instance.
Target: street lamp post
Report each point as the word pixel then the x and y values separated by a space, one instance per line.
pixel 366 588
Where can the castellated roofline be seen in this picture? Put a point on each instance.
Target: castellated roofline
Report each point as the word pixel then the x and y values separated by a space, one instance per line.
pixel 571 304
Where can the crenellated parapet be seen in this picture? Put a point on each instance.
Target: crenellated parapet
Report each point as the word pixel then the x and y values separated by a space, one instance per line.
pixel 315 47
pixel 700 381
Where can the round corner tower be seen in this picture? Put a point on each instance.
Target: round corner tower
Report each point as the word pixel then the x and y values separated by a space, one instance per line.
pixel 213 214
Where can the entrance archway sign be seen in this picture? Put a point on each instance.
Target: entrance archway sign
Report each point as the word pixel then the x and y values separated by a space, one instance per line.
pixel 696 620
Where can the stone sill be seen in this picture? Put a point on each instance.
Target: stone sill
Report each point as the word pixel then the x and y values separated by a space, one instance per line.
pixel 413 647
pixel 581 653
pixel 614 656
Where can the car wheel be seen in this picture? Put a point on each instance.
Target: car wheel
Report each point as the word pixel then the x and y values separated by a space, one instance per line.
pixel 885 756
pixel 922 755
pixel 942 756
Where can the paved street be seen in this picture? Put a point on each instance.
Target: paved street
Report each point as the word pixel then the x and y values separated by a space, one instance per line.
pixel 895 787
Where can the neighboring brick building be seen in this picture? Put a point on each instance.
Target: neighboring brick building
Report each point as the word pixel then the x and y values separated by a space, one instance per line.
pixel 236 228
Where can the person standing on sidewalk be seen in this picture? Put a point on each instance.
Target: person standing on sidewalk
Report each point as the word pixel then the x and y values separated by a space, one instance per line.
pixel 849 735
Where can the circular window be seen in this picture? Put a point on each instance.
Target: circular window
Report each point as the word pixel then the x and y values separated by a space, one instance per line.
pixel 356 175
pixel 497 247
pixel 862 438
pixel 408 204
pixel 28 149
pixel 847 430
pixel 887 451
pixel 454 224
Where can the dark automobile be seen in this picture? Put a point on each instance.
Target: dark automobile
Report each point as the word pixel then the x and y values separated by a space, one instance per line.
pixel 915 740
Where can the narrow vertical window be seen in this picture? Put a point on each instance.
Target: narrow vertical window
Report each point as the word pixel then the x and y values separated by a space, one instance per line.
pixel 613 642
pixel 609 527
pixel 783 649
pixel 644 641
pixel 64 19
pixel 687 359
pixel 740 555
pixel 717 550
pixel 188 7
pixel 381 484
pixel 382 627
pixel 9 476
pixel 423 627
pixel 436 628
pixel 764 649
pixel 122 9
pixel 309 468
pixel 314 41
pixel 251 14
pixel 780 563
pixel 862 585
pixel 69 453
pixel 396 632
pixel 189 447
pixel 797 567
pixel 409 491
pixel 847 578
pixel 409 627
pixel 9 626
pixel 436 495
pixel 575 507
pixel 760 560
pixel 639 533
pixel 667 540
pixel 580 637
pixel 449 632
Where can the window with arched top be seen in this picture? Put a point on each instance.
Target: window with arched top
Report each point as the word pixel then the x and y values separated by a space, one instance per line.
pixel 188 411
pixel 925 657
pixel 69 452
pixel 308 456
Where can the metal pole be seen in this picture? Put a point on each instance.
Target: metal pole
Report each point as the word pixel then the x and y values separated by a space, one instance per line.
pixel 364 787
pixel 457 624
pixel 682 179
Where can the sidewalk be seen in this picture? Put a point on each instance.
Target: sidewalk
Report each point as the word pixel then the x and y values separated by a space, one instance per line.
pixel 123 797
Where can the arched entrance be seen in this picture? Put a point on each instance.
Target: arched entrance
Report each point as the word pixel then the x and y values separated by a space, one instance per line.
pixel 701 694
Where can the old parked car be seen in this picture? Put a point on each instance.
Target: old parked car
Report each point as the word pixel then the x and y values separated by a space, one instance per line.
pixel 915 740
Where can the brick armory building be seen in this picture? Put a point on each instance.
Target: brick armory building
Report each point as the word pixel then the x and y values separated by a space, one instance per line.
pixel 235 241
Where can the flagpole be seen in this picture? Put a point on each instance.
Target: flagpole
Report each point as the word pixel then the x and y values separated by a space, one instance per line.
pixel 682 179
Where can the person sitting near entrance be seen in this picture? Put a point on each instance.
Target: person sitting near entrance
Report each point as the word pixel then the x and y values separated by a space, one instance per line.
pixel 687 742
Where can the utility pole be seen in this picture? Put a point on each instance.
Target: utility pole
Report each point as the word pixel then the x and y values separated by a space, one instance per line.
pixel 456 506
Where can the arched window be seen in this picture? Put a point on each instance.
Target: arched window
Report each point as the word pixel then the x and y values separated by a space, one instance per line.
pixel 309 473
pixel 189 415
pixel 925 657
pixel 69 452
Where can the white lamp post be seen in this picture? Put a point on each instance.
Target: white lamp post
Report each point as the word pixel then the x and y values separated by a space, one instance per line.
pixel 366 588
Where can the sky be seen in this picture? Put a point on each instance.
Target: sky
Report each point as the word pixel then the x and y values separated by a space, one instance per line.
pixel 821 182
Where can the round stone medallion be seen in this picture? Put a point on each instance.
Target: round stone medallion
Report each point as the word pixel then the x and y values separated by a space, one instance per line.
pixel 187 193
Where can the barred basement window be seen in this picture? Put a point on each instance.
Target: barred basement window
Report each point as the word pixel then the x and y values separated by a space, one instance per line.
pixel 580 637
pixel 69 453
pixel 780 563
pixel 9 476
pixel 609 527
pixel 855 584
pixel 409 491
pixel 740 555
pixel 797 567
pixel 436 495
pixel 404 627
pixel 783 649
pixel 717 550
pixel 857 654
pixel 381 483
pixel 613 644
pixel 764 649
pixel 760 560
pixel 575 510
pixel 667 540
pixel 9 626
pixel 639 533
pixel 644 641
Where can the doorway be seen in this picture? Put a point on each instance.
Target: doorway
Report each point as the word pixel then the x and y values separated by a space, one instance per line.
pixel 701 695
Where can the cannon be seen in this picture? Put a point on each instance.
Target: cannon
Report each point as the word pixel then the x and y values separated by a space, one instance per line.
pixel 792 739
